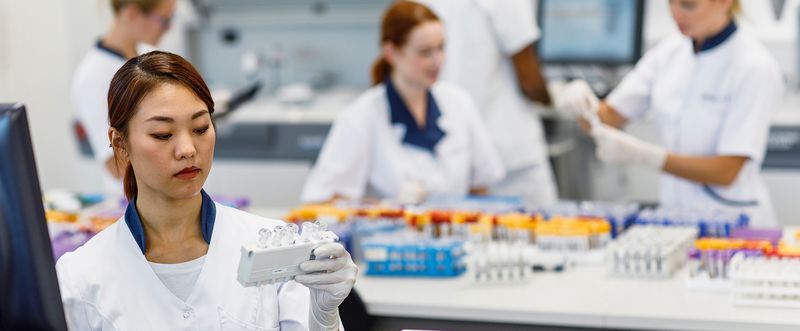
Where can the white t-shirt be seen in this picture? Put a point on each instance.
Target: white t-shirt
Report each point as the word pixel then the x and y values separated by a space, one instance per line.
pixel 481 36
pixel 716 102
pixel 179 278
pixel 90 102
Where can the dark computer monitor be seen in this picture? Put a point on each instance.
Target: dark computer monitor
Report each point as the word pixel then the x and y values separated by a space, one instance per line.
pixel 29 295
pixel 592 32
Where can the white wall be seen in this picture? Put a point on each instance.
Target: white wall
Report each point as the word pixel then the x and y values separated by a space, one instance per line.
pixel 41 44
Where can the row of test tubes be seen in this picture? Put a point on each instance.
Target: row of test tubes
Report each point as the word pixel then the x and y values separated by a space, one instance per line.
pixel 650 251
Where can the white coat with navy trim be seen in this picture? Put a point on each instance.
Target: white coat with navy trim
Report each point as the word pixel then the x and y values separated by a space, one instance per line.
pixel 108 284
pixel 364 154
pixel 715 102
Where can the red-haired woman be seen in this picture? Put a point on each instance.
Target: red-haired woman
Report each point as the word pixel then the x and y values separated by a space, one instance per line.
pixel 408 137
pixel 170 263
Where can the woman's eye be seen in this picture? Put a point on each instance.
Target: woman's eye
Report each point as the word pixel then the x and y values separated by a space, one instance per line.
pixel 201 130
pixel 160 136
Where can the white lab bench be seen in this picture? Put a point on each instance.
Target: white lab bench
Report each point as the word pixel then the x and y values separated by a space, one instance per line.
pixel 584 296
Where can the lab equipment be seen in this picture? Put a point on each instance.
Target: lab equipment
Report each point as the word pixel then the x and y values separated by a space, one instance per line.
pixel 29 290
pixel 410 254
pixel 650 251
pixel 765 281
pixel 276 255
pixel 572 234
pixel 591 31
pixel 709 260
pixel 505 261
pixel 709 222
pixel 619 215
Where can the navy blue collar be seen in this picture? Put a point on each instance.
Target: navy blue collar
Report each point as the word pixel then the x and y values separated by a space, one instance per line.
pixel 426 137
pixel 717 39
pixel 108 50
pixel 208 214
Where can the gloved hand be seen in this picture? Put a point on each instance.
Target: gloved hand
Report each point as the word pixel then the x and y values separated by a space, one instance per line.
pixel 330 279
pixel 617 147
pixel 412 192
pixel 577 99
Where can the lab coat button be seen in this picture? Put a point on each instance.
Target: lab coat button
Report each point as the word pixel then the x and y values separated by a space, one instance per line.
pixel 187 313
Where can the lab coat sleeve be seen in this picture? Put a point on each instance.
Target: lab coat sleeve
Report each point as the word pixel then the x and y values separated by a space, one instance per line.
pixel 343 164
pixel 513 22
pixel 80 314
pixel 487 167
pixel 294 302
pixel 631 98
pixel 89 98
pixel 745 125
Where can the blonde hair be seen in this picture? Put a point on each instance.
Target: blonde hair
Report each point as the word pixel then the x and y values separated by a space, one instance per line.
pixel 145 5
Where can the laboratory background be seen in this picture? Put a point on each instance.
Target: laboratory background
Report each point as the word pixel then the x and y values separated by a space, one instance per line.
pixel 468 164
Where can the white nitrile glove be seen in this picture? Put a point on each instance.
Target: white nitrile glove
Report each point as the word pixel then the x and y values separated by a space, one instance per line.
pixel 412 192
pixel 330 279
pixel 577 99
pixel 617 147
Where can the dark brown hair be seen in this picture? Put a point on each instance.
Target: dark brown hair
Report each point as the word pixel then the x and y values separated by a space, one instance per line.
pixel 398 22
pixel 134 81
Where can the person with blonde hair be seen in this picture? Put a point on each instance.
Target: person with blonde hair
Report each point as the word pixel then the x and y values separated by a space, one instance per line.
pixel 711 89
pixel 136 22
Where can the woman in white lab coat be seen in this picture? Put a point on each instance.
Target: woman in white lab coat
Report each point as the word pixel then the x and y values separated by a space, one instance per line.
pixel 408 137
pixel 170 263
pixel 711 90
pixel 135 22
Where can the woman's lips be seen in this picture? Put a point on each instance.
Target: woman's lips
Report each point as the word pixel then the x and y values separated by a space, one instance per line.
pixel 188 173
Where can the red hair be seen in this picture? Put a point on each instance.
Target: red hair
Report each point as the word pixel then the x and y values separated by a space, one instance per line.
pixel 398 22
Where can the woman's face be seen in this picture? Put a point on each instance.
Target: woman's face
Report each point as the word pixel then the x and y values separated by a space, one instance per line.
pixel 150 27
pixel 420 59
pixel 171 143
pixel 697 19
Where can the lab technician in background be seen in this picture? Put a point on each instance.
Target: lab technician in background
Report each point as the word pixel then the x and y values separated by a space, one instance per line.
pixel 711 89
pixel 409 137
pixel 490 53
pixel 135 22
pixel 170 263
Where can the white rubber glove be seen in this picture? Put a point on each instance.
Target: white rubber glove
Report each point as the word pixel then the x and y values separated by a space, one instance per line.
pixel 577 99
pixel 617 147
pixel 330 279
pixel 412 192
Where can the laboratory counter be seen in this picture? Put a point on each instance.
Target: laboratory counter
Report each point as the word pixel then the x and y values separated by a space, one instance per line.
pixel 583 296
pixel 580 297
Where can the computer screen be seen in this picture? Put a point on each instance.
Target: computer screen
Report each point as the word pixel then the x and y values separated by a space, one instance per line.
pixel 603 32
pixel 29 295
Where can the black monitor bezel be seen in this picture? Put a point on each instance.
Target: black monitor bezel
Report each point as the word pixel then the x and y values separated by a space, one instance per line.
pixel 637 47
pixel 25 194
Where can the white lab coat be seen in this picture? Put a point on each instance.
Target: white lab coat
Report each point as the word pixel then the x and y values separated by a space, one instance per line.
pixel 481 37
pixel 716 102
pixel 108 285
pixel 364 154
pixel 90 101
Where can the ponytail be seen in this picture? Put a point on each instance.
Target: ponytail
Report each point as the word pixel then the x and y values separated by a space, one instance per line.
pixel 736 8
pixel 129 182
pixel 380 70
